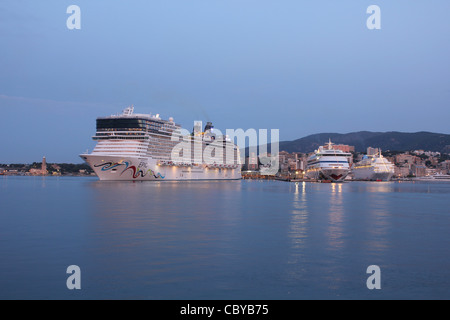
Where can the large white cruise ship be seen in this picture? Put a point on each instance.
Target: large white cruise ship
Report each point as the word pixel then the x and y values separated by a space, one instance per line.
pixel 373 168
pixel 328 163
pixel 145 147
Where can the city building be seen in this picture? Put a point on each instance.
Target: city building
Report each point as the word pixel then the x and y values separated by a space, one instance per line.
pixel 405 158
pixel 344 148
pixel 445 166
pixel 372 151
pixel 419 170
pixel 402 172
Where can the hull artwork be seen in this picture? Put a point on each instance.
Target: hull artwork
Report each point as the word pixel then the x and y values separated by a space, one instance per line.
pixel 116 169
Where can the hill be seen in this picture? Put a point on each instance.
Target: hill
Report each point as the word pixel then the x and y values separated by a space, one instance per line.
pixel 393 141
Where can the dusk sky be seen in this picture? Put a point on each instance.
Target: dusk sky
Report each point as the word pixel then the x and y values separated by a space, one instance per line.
pixel 303 67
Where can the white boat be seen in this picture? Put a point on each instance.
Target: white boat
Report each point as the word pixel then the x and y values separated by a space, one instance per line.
pixel 373 168
pixel 142 147
pixel 329 164
pixel 435 177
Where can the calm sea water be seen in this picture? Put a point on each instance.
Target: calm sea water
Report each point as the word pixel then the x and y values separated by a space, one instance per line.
pixel 222 240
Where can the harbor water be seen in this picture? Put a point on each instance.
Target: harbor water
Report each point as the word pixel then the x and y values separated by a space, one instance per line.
pixel 245 239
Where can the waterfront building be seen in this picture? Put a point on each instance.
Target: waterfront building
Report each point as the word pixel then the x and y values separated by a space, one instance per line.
pixel 402 172
pixel 419 170
pixel 290 162
pixel 445 166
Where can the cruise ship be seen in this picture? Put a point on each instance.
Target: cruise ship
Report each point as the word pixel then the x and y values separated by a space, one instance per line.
pixel 145 147
pixel 373 168
pixel 328 164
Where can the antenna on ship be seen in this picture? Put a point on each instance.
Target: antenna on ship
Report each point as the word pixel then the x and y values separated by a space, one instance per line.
pixel 128 111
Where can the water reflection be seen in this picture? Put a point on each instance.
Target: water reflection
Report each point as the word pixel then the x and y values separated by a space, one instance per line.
pixel 379 187
pixel 4 183
pixel 156 228
pixel 336 246
pixel 297 234
pixel 336 217
pixel 163 202
pixel 377 211
pixel 222 240
pixel 299 220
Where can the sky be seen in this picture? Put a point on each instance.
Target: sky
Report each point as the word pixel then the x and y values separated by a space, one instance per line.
pixel 303 67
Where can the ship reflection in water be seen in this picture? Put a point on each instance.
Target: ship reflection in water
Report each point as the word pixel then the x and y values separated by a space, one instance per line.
pixel 245 239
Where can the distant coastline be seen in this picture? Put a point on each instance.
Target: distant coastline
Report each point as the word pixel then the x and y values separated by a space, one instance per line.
pixel 52 169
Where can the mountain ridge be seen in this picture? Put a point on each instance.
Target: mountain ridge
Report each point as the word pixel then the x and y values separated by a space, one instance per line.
pixel 361 140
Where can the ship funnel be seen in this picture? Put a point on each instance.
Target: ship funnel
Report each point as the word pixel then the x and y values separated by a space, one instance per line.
pixel 208 126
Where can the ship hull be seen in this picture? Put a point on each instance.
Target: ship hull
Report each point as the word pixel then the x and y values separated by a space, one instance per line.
pixel 334 175
pixel 115 168
pixel 369 174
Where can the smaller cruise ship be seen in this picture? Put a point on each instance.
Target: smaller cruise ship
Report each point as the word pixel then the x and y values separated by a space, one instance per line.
pixel 329 164
pixel 373 168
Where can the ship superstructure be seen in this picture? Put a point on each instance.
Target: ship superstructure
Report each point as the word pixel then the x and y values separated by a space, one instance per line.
pixel 145 147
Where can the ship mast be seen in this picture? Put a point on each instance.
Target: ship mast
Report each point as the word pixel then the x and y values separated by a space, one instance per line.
pixel 329 144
